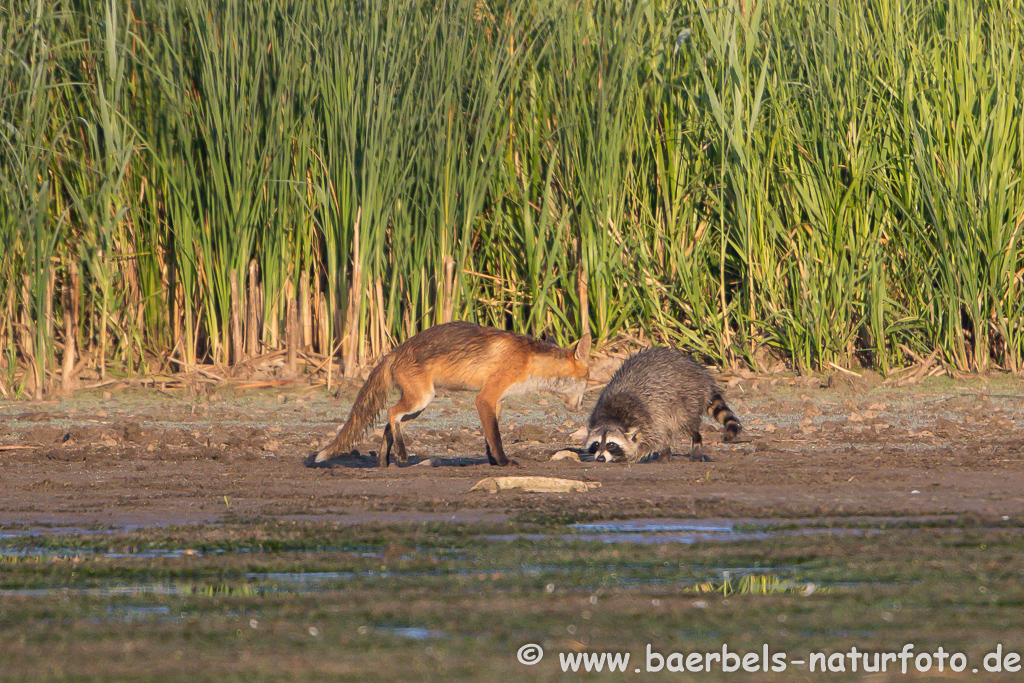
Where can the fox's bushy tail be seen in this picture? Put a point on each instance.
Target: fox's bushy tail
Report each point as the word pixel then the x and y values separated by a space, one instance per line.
pixel 367 407
pixel 721 412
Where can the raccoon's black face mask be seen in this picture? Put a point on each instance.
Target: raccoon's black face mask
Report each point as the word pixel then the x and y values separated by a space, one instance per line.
pixel 613 449
pixel 609 447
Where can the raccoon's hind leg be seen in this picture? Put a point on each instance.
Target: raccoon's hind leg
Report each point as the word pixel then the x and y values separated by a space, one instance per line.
pixel 697 453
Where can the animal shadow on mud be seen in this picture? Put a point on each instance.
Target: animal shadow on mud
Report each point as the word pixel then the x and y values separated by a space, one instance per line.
pixel 655 458
pixel 586 456
pixel 356 460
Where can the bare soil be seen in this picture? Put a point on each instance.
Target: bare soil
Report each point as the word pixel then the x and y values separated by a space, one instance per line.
pixel 136 458
pixel 169 535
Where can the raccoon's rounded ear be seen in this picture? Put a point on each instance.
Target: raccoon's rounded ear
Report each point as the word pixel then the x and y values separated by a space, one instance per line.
pixel 583 347
pixel 633 434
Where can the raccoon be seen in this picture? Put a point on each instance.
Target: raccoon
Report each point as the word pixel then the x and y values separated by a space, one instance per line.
pixel 657 396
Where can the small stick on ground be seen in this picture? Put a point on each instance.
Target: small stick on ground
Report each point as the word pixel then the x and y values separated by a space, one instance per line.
pixel 844 370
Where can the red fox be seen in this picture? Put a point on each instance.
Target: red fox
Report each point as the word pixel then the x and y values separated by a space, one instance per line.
pixel 460 355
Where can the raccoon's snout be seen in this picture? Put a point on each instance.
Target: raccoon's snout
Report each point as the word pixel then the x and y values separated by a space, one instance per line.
pixel 597 449
pixel 609 456
pixel 607 452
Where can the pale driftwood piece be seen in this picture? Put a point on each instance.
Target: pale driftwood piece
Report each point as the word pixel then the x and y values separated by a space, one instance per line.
pixel 534 485
pixel 566 455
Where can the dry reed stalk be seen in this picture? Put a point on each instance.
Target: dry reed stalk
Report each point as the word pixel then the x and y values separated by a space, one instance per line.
pixel 69 302
pixel 51 281
pixel 449 289
pixel 350 335
pixel 237 354
pixel 26 334
pixel 375 331
pixel 382 321
pixel 252 324
pixel 318 341
pixel 292 332
pixel 274 324
pixel 305 316
pixel 584 294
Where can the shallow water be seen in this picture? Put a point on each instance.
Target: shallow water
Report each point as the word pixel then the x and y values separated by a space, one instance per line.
pixel 658 531
pixel 518 565
pixel 410 632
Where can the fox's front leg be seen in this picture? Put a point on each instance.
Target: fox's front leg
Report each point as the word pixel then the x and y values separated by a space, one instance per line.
pixel 384 455
pixel 488 408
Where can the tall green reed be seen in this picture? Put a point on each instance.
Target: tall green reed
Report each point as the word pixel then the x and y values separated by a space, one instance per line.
pixel 33 119
pixel 820 182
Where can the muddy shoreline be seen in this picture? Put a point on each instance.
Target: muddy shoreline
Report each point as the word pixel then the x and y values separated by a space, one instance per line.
pixel 138 458
pixel 164 535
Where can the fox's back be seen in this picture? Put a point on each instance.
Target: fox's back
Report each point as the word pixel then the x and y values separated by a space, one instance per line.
pixel 461 355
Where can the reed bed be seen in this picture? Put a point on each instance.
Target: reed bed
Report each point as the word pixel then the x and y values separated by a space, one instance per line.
pixel 190 182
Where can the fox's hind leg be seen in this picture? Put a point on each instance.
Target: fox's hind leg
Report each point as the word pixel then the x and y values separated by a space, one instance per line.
pixel 403 456
pixel 414 399
pixel 393 433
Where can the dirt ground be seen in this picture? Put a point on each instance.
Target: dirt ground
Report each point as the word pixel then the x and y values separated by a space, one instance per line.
pixel 175 535
pixel 811 446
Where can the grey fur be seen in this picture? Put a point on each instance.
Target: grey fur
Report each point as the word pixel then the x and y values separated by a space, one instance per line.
pixel 657 397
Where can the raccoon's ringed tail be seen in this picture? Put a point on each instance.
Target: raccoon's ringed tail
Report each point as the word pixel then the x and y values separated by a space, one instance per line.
pixel 732 428
pixel 721 412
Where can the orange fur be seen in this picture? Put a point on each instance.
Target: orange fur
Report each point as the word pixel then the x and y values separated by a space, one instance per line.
pixel 460 355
